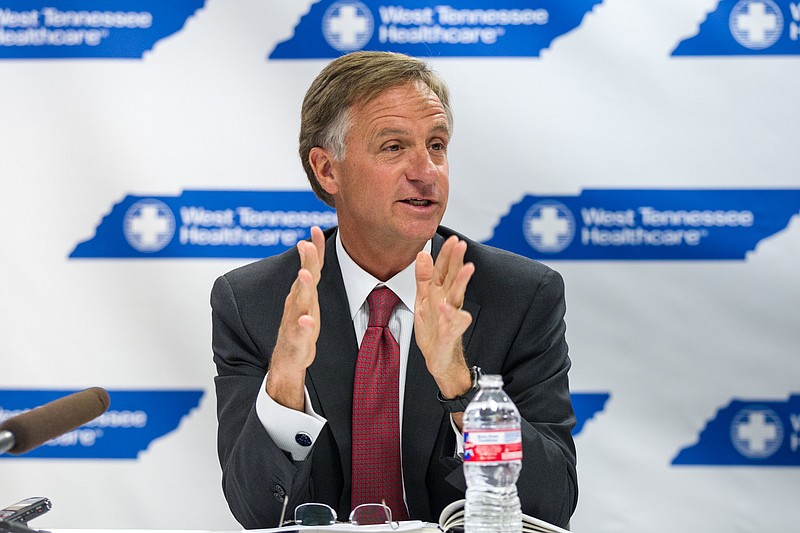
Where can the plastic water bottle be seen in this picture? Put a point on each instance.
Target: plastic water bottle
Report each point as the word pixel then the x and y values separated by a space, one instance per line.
pixel 492 460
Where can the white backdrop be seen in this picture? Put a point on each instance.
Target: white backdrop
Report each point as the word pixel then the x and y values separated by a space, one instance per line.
pixel 605 106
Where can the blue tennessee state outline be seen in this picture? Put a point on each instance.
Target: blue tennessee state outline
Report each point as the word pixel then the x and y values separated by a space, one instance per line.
pixel 134 419
pixel 206 224
pixel 748 433
pixel 70 29
pixel 460 28
pixel 746 28
pixel 647 224
pixel 586 405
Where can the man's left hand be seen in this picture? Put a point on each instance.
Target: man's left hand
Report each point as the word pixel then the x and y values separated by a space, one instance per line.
pixel 439 320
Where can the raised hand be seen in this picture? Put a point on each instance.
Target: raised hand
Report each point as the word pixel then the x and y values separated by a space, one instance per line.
pixel 295 347
pixel 439 320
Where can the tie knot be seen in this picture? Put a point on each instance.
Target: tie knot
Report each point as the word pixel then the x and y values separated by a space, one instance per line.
pixel 382 302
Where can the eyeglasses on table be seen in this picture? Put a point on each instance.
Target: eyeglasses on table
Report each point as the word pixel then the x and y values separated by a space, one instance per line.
pixel 320 514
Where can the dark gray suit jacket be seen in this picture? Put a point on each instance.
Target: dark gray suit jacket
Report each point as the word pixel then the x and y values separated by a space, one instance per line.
pixel 517 306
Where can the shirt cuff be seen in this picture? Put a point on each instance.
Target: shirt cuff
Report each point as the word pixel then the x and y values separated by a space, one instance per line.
pixel 292 431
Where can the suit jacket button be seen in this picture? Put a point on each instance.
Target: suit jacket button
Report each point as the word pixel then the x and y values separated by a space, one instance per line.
pixel 279 493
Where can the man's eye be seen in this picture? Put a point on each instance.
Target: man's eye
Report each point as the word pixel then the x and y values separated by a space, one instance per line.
pixel 438 146
pixel 392 148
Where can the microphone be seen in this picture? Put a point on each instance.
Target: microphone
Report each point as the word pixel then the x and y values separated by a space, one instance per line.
pixel 28 430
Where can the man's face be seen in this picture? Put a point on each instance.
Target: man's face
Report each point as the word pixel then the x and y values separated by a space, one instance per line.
pixel 391 188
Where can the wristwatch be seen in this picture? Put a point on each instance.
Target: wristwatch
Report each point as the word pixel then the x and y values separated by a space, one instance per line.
pixel 459 403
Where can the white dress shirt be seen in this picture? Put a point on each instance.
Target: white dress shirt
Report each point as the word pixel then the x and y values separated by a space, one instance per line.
pixel 284 424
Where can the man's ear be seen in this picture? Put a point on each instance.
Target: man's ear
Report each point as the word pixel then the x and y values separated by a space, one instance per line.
pixel 322 164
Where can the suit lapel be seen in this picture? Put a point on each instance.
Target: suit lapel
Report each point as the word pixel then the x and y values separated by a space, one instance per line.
pixel 422 417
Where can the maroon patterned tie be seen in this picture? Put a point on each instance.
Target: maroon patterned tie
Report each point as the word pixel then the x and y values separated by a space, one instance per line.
pixel 376 474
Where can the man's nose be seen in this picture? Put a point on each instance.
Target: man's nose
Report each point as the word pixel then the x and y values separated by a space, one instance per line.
pixel 423 168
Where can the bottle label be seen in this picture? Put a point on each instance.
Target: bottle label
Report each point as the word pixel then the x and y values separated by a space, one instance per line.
pixel 492 445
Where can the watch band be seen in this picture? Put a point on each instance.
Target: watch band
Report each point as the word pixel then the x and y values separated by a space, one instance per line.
pixel 459 403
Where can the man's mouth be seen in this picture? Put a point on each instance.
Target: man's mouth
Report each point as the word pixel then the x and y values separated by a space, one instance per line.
pixel 418 202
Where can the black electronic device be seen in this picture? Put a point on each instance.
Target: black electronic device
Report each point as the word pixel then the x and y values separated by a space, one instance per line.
pixel 25 510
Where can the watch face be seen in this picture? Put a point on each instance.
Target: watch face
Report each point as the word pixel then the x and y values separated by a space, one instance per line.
pixel 476 373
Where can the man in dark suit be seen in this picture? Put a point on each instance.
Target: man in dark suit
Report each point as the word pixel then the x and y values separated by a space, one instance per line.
pixel 286 330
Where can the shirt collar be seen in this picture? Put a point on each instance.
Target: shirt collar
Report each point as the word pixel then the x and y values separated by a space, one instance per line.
pixel 358 283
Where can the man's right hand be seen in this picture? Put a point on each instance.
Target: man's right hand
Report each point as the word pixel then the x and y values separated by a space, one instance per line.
pixel 296 346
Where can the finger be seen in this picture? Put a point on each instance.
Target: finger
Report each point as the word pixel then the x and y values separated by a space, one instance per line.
pixel 300 334
pixel 463 320
pixel 449 262
pixel 423 272
pixel 443 260
pixel 453 323
pixel 318 240
pixel 309 260
pixel 455 263
pixel 299 301
pixel 307 324
pixel 312 254
pixel 455 295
